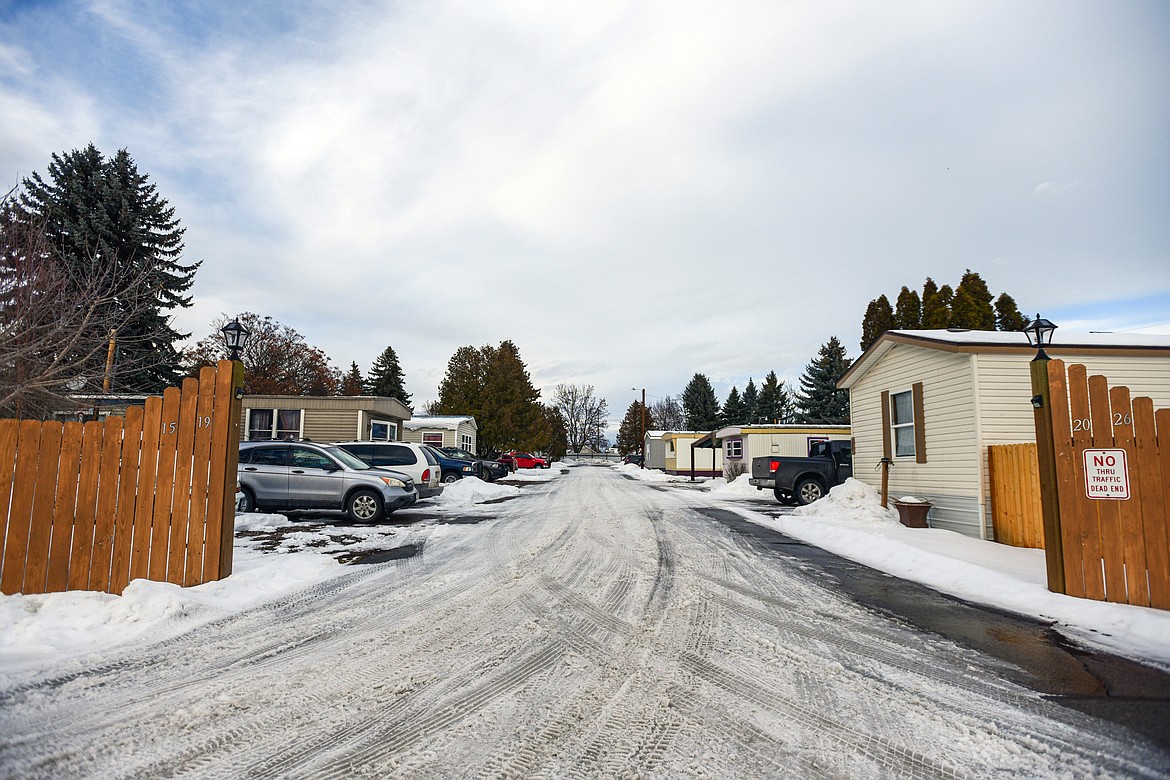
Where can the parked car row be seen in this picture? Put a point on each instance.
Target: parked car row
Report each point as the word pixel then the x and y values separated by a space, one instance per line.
pixel 366 479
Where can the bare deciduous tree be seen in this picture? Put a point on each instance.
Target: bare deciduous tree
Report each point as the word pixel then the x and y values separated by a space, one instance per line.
pixel 277 359
pixel 668 414
pixel 584 414
pixel 56 320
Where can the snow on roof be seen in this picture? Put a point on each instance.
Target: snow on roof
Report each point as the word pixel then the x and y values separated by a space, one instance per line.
pixel 446 422
pixel 1000 340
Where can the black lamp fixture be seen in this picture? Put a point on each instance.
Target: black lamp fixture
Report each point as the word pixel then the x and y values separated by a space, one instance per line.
pixel 235 336
pixel 1039 333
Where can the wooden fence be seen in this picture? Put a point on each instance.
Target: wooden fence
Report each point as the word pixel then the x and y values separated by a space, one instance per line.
pixel 92 506
pixel 1015 495
pixel 1113 484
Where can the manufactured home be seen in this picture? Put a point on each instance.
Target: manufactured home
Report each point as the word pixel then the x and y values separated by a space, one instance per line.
pixel 441 431
pixel 323 418
pixel 741 443
pixel 934 400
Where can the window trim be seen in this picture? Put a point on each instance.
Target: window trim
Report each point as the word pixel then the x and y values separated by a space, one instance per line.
pixel 438 443
pixel 391 430
pixel 896 427
pixel 917 424
pixel 733 449
pixel 300 433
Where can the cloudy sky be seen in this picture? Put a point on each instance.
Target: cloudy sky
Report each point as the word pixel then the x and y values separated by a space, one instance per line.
pixel 629 191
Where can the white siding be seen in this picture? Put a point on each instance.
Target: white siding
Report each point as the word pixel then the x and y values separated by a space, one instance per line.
pixel 1005 393
pixel 951 475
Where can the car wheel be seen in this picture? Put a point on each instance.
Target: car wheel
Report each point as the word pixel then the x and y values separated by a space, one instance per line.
pixel 808 490
pixel 364 506
pixel 785 497
pixel 450 477
pixel 249 502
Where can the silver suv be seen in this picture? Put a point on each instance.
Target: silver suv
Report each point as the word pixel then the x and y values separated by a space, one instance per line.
pixel 302 475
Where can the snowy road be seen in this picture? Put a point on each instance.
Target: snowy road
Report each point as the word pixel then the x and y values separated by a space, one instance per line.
pixel 597 627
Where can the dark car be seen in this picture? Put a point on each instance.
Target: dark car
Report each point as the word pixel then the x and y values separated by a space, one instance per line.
pixel 804 480
pixel 301 475
pixel 452 469
pixel 489 470
pixel 634 458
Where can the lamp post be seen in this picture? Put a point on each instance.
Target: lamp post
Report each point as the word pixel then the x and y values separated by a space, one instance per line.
pixel 1039 333
pixel 235 336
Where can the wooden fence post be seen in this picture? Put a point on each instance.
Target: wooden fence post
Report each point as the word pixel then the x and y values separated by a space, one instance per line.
pixel 1046 460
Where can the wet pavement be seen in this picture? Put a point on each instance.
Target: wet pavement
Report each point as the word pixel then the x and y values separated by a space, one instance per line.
pixel 1097 683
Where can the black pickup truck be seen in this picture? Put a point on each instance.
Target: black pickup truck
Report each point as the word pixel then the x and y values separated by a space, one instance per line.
pixel 804 480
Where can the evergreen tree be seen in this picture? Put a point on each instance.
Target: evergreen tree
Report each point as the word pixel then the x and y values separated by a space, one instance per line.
pixel 751 400
pixel 879 317
pixel 819 401
pixel 936 311
pixel 734 412
pixel 908 315
pixel 492 384
pixel 101 211
pixel 775 404
pixel 461 390
pixel 351 383
pixel 971 307
pixel 1007 315
pixel 386 378
pixel 700 405
pixel 637 420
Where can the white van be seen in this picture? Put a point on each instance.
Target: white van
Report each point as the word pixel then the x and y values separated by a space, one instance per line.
pixel 411 459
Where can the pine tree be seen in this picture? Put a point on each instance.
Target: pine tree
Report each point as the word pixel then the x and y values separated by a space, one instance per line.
pixel 775 404
pixel 908 314
pixel 351 383
pixel 700 405
pixel 936 308
pixel 733 409
pixel 95 210
pixel 879 317
pixel 461 390
pixel 513 416
pixel 1007 315
pixel 386 378
pixel 751 400
pixel 637 420
pixel 819 401
pixel 971 307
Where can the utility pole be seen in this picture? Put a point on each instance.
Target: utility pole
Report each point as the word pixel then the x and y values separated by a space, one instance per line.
pixel 642 419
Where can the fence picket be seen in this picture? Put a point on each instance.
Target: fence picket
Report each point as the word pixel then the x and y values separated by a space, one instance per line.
pixel 202 465
pixel 1132 541
pixel 41 526
pixel 64 509
pixel 85 522
pixel 110 477
pixel 1160 577
pixel 1108 513
pixel 164 485
pixel 147 470
pixel 9 431
pixel 1152 503
pixel 181 497
pixel 121 553
pixel 1074 524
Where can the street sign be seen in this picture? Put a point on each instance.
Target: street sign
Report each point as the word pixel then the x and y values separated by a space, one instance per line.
pixel 1106 474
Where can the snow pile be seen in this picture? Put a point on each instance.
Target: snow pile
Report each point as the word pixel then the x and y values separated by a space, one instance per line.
pixel 737 487
pixel 473 490
pixel 852 500
pixel 650 475
pixel 36 627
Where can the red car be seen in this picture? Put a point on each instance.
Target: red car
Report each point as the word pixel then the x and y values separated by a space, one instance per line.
pixel 523 460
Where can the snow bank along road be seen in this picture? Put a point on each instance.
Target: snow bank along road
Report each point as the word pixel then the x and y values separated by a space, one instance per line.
pixel 596 627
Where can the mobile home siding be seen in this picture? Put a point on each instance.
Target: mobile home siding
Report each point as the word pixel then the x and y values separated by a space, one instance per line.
pixel 951 475
pixel 1005 393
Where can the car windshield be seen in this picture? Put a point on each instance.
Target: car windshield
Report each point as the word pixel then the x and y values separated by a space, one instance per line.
pixel 349 459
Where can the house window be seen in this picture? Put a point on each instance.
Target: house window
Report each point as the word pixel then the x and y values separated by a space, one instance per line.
pixel 433 439
pixel 274 424
pixel 465 442
pixel 383 431
pixel 733 448
pixel 902 423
